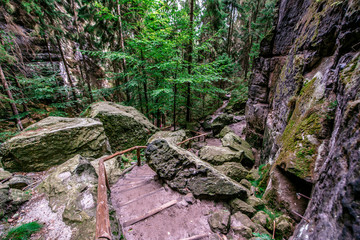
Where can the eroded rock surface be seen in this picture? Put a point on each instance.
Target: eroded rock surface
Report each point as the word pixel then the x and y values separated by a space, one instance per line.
pixel 125 126
pixel 52 141
pixel 184 172
pixel 303 111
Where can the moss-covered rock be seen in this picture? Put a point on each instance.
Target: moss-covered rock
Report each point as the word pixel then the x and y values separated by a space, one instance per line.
pixel 125 126
pixel 219 221
pixel 220 155
pixel 233 170
pixel 52 141
pixel 239 205
pixel 171 137
pixel 235 142
pixel 71 187
pixel 4 174
pixel 184 172
pixel 220 122
pixel 225 131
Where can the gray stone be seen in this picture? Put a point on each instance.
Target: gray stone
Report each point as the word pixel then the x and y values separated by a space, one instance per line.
pixel 4 199
pixel 171 137
pixel 219 155
pixel 235 142
pixel 225 131
pixel 219 221
pixel 261 218
pixel 184 172
pixel 189 198
pixel 52 141
pixel 239 220
pixel 18 196
pixel 255 202
pixel 4 174
pixel 239 205
pixel 19 182
pixel 220 122
pixel 125 126
pixel 75 194
pixel 246 183
pixel 233 170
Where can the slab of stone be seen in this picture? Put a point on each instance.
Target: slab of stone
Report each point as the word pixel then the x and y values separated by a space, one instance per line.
pixel 233 170
pixel 19 182
pixel 51 142
pixel 219 155
pixel 171 137
pixel 235 142
pixel 185 172
pixel 239 205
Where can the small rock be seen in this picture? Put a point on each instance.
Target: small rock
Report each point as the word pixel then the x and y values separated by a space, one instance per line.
pixel 243 231
pixel 4 174
pixel 284 225
pixel 246 183
pixel 10 220
pixel 261 218
pixel 225 131
pixel 19 182
pixel 189 198
pixel 219 221
pixel 19 197
pixel 233 170
pixel 255 202
pixel 239 205
pixel 239 220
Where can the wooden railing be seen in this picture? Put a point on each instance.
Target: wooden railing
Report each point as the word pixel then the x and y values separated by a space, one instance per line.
pixel 103 230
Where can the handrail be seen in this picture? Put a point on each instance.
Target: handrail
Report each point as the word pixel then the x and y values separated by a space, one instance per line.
pixel 198 136
pixel 103 230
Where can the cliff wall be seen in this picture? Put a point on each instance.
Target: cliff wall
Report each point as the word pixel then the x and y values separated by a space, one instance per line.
pixel 303 113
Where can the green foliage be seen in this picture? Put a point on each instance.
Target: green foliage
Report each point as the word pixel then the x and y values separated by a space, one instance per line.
pixel 262 236
pixel 6 135
pixel 23 232
pixel 261 182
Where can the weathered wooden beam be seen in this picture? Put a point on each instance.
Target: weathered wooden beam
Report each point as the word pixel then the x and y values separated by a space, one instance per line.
pixel 196 237
pixel 102 210
pixel 150 213
pixel 141 197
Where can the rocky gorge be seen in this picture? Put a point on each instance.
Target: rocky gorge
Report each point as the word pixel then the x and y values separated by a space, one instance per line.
pixel 285 165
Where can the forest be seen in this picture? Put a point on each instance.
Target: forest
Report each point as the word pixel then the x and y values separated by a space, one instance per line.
pixel 173 60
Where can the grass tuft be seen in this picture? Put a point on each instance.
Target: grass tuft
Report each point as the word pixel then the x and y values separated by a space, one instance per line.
pixel 23 232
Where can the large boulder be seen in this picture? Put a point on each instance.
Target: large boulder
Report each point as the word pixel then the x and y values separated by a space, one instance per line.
pixel 125 126
pixel 220 122
pixel 184 172
pixel 219 155
pixel 171 137
pixel 71 191
pixel 52 141
pixel 235 142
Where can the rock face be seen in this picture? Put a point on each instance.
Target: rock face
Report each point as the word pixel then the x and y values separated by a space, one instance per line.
pixel 235 142
pixel 304 111
pixel 125 126
pixel 183 171
pixel 52 141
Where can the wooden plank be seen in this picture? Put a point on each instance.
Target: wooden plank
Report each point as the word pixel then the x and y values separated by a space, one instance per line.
pixel 150 213
pixel 134 187
pixel 196 237
pixel 141 197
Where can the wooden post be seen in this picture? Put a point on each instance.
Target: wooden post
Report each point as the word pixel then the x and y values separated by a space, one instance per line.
pixel 102 210
pixel 138 157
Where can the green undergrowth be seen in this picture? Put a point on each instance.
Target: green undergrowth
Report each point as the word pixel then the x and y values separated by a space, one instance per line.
pixel 261 182
pixel 23 232
pixel 262 236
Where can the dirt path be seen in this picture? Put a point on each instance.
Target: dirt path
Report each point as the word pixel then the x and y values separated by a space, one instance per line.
pixel 139 194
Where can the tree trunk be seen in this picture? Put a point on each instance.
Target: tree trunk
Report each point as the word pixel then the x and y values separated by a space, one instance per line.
pixel 174 109
pixel 230 29
pixel 190 49
pixel 145 87
pixel 12 104
pixel 123 50
pixel 68 73
pixel 84 76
